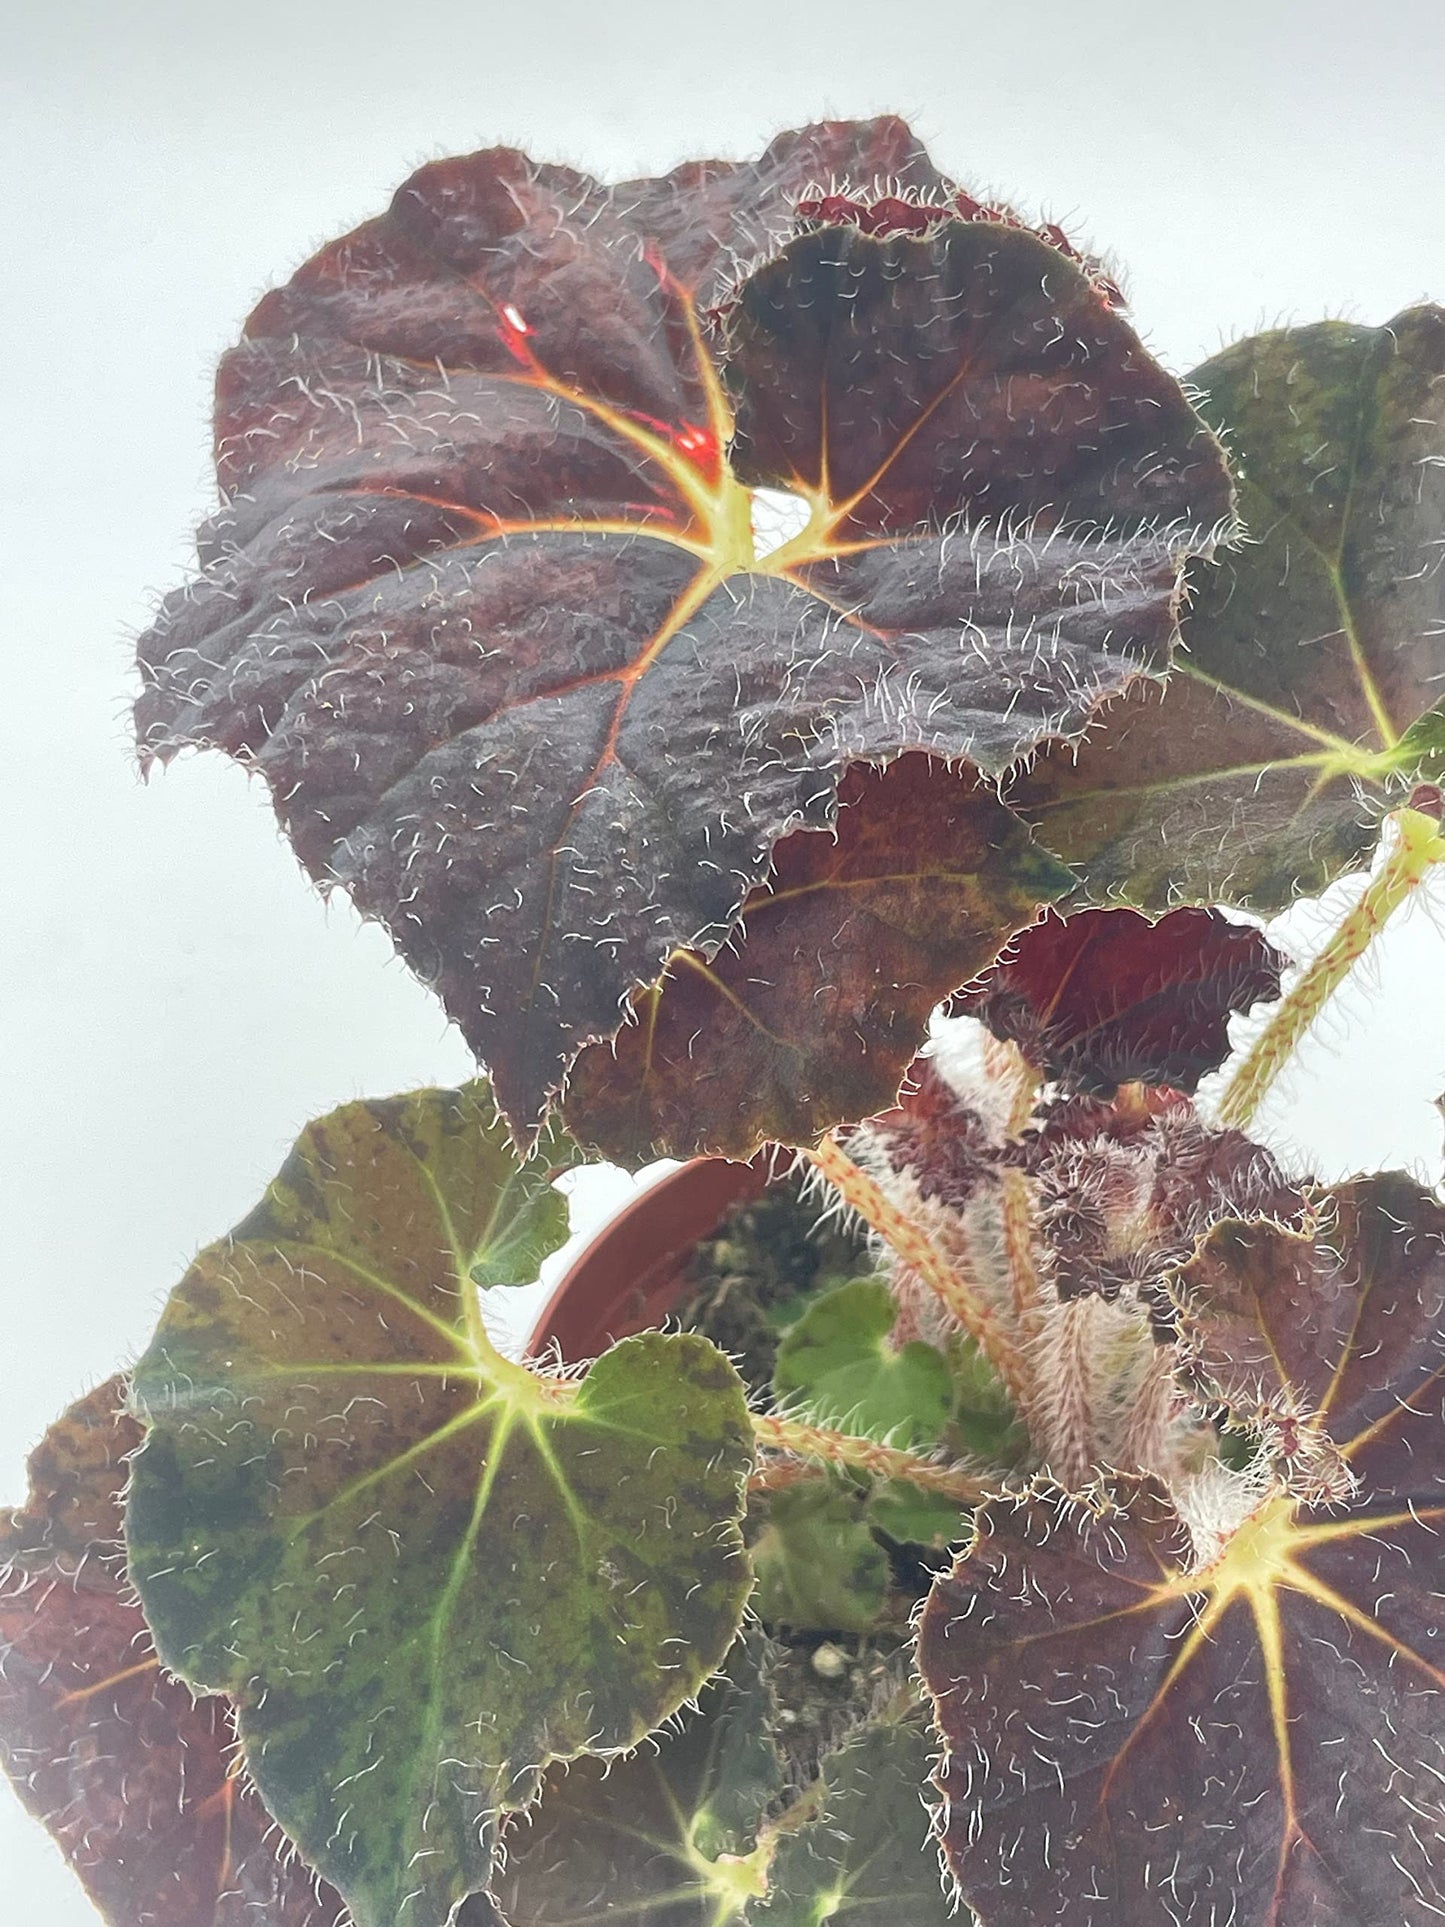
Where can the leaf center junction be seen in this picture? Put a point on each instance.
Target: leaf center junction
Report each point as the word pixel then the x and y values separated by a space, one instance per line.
pixel 1257 1558
pixel 777 516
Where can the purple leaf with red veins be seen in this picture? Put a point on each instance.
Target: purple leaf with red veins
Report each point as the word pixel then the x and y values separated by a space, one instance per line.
pixel 1132 1743
pixel 483 604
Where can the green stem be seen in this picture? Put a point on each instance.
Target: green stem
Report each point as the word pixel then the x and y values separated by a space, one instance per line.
pixel 823 1444
pixel 1418 847
pixel 959 1295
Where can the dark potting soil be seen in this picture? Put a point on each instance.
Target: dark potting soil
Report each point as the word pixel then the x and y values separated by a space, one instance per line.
pixel 817 1709
pixel 750 1280
pixel 752 1277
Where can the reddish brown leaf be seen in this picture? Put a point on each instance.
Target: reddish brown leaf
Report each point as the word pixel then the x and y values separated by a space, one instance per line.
pixel 132 1776
pixel 483 603
pixel 1123 1190
pixel 889 213
pixel 1126 1191
pixel 1262 1310
pixel 1106 997
pixel 947 1148
pixel 1132 1743
pixel 812 1012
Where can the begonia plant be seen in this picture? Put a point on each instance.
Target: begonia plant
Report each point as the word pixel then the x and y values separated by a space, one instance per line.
pixel 797 677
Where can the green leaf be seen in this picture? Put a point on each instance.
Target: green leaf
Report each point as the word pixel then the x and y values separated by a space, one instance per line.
pixel 359 1182
pixel 685 1833
pixel 916 1517
pixel 837 1367
pixel 818 1566
pixel 1314 653
pixel 668 1836
pixel 866 1857
pixel 983 1424
pixel 421 1571
pixel 984 1420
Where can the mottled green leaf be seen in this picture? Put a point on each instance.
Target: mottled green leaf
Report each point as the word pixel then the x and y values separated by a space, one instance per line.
pixel 838 1366
pixel 422 1572
pixel 818 1566
pixel 688 1832
pixel 866 1858
pixel 667 1836
pixel 1310 692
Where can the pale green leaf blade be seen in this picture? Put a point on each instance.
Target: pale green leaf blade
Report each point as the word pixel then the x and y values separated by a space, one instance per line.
pixel 818 1566
pixel 838 1367
pixel 915 1516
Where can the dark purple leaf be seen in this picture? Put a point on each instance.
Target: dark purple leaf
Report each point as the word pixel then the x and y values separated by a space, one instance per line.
pixel 1133 1743
pixel 483 604
pixel 811 1013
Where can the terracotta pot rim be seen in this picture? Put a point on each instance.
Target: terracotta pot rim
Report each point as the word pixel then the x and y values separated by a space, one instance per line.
pixel 631 1272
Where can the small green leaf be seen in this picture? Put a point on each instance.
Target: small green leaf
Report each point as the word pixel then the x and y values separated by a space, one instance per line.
pixel 819 1568
pixel 667 1836
pixel 422 1573
pixel 837 1367
pixel 984 1421
pixel 916 1517
pixel 866 1857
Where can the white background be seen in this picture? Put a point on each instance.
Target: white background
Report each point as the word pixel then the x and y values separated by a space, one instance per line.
pixel 174 999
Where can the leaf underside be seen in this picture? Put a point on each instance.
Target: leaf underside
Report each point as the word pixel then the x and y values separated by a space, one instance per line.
pixel 812 1012
pixel 1309 696
pixel 421 1577
pixel 1107 997
pixel 133 1777
pixel 482 601
pixel 1130 1742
